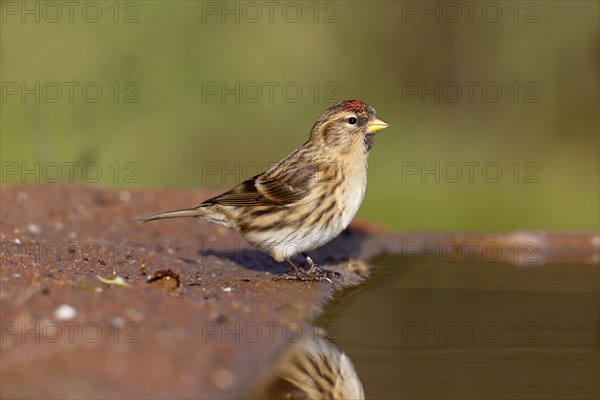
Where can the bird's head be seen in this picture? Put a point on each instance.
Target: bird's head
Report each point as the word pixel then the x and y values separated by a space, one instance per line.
pixel 347 127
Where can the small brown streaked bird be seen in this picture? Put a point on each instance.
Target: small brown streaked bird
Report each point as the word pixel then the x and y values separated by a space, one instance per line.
pixel 305 200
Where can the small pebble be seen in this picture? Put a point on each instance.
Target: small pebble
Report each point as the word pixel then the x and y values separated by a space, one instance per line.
pixel 64 312
pixel 33 228
pixel 227 289
pixel 134 314
pixel 223 379
pixel 124 196
pixel 22 197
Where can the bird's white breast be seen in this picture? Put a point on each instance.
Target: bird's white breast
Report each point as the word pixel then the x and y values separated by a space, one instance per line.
pixel 355 186
pixel 349 194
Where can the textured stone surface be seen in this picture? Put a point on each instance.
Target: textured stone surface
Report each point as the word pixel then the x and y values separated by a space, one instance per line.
pixel 177 308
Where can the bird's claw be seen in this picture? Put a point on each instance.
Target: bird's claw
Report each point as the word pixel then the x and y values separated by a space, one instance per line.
pixel 315 270
pixel 313 274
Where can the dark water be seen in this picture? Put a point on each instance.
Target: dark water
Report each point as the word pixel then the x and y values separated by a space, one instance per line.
pixel 476 330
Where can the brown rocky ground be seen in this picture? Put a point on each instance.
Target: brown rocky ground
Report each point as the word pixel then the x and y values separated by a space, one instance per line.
pixel 96 306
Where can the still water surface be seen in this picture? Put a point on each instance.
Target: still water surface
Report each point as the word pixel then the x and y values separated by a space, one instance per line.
pixel 419 330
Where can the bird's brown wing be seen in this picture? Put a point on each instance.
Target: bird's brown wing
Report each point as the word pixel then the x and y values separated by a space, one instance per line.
pixel 286 187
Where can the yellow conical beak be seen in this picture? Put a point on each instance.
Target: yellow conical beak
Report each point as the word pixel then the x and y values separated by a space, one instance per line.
pixel 375 124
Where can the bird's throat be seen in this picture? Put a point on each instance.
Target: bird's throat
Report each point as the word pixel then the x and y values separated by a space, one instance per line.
pixel 369 140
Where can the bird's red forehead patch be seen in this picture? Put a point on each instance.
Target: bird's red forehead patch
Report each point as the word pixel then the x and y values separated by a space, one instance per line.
pixel 354 105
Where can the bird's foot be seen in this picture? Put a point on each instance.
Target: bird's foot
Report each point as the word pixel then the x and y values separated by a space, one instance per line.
pixel 315 273
pixel 323 274
pixel 293 274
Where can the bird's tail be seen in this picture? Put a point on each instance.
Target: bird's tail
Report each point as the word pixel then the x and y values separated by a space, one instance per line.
pixel 186 212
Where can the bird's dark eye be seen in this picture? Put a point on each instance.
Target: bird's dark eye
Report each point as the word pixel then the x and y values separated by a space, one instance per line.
pixel 352 120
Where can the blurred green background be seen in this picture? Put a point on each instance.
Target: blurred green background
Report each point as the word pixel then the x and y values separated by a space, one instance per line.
pixel 159 122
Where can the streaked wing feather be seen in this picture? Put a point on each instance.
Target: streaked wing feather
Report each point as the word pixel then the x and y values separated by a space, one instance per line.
pixel 269 189
pixel 241 195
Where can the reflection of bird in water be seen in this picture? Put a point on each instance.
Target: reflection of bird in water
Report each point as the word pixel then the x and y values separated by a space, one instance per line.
pixel 313 368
